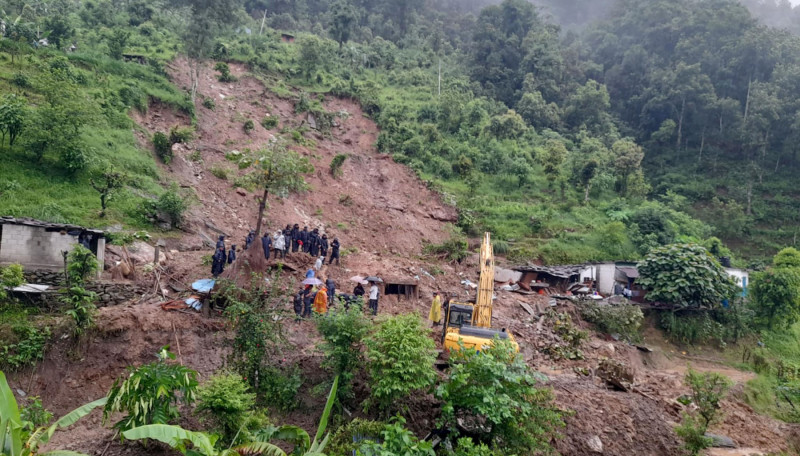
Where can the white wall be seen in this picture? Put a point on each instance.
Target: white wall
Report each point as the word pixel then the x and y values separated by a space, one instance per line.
pixel 34 247
pixel 740 276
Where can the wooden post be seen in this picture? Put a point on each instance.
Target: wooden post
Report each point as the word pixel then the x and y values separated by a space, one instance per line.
pixel 262 22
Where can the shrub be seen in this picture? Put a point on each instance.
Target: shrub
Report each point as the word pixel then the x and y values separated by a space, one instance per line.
pixel 224 72
pixel 225 401
pixel 397 440
pixel 248 126
pixel 162 147
pixel 269 122
pixel 279 387
pixel 775 297
pixel 497 388
pixel 219 172
pixel 178 134
pixel 624 320
pixel 82 309
pixel 344 440
pixel 466 447
pixel 21 80
pixel 209 103
pixel 343 331
pixel 10 276
pixel 570 335
pixel 691 328
pixel 81 264
pixel 453 249
pixel 336 165
pixel 35 414
pixel 693 435
pixel 150 393
pixel 173 205
pixel 400 360
pixel 708 389
pixel 25 348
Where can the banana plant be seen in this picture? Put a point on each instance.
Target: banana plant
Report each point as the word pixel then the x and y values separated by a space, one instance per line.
pixel 191 443
pixel 12 434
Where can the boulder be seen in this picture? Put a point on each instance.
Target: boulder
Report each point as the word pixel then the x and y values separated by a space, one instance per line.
pixel 721 441
pixel 595 444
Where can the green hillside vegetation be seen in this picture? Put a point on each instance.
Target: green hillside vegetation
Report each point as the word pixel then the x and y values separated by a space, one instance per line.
pixel 568 146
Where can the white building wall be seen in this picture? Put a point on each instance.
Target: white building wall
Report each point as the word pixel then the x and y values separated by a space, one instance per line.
pixel 605 278
pixel 741 277
pixel 34 247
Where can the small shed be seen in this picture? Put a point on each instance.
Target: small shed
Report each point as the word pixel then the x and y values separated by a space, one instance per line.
pixel 38 245
pixel 135 58
pixel 555 276
pixel 287 38
pixel 401 287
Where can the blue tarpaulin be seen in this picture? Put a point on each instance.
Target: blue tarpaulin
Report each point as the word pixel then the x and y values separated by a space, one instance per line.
pixel 203 285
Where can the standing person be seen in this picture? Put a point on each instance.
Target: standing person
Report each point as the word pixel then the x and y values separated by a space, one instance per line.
pixel 358 292
pixel 308 298
pixel 298 305
pixel 334 251
pixel 321 301
pixel 318 263
pixel 331 290
pixel 323 247
pixel 315 242
pixel 373 298
pixel 287 236
pixel 232 254
pixel 280 243
pixel 218 262
pixel 249 239
pixel 304 239
pixel 220 242
pixel 266 243
pixel 295 237
pixel 435 314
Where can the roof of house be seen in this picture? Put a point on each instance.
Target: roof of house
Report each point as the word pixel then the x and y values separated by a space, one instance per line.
pixel 631 273
pixel 8 220
pixel 564 272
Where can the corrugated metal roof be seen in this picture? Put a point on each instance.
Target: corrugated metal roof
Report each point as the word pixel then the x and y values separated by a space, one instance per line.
pixel 632 273
pixel 8 220
pixel 564 272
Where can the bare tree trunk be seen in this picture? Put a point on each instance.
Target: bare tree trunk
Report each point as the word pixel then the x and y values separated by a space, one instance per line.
pixel 749 210
pixel 702 146
pixel 195 74
pixel 261 206
pixel 586 193
pixel 680 125
pixel 747 101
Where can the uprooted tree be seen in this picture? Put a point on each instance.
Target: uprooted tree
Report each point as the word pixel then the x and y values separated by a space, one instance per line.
pixel 274 169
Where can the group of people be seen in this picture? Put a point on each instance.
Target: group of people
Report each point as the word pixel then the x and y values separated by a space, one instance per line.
pixel 291 238
pixel 318 298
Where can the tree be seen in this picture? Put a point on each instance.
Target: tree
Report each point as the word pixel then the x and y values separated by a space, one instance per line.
pixel 555 152
pixel 708 389
pixel 59 30
pixel 276 170
pixel 226 401
pixel 537 112
pixel 400 357
pixel 150 393
pixel 117 42
pixel 628 158
pixel 108 181
pixel 17 441
pixel 497 392
pixel 13 111
pixel 776 297
pixel 685 275
pixel 343 331
pixel 787 258
pixel 81 264
pixel 343 18
pixel 588 173
pixel 314 51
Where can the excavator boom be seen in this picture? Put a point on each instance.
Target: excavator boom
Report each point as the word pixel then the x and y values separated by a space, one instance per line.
pixel 482 317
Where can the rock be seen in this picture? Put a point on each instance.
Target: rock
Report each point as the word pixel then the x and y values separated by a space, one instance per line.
pixel 721 441
pixel 241 191
pixel 348 141
pixel 616 374
pixel 617 300
pixel 607 350
pixel 595 444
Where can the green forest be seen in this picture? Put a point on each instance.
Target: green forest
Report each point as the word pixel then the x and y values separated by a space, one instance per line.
pixel 573 131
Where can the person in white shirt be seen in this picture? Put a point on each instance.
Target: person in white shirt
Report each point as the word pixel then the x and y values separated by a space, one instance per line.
pixel 318 263
pixel 373 298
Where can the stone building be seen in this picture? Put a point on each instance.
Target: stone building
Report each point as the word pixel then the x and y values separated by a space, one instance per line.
pixel 38 245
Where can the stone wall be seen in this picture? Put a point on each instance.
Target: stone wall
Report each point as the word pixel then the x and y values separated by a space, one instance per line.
pixel 108 293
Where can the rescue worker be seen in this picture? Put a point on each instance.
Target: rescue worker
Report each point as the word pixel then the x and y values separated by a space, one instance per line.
pixel 308 298
pixel 220 242
pixel 304 239
pixel 266 243
pixel 331 285
pixel 321 301
pixel 334 251
pixel 251 236
pixel 323 247
pixel 278 243
pixel 314 241
pixel 435 314
pixel 287 234
pixel 298 305
pixel 232 254
pixel 218 262
pixel 295 237
pixel 318 263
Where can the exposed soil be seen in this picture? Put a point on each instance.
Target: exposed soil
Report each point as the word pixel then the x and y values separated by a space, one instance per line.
pixel 390 215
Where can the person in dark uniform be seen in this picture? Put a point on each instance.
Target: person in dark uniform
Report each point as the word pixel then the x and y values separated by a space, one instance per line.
pixel 266 243
pixel 220 242
pixel 331 286
pixel 298 305
pixel 251 236
pixel 334 251
pixel 304 238
pixel 218 262
pixel 314 241
pixel 232 254
pixel 295 237
pixel 308 298
pixel 323 247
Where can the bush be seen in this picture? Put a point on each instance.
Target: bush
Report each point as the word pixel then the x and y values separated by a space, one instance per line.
pixel 454 249
pixel 178 134
pixel 400 358
pixel 162 147
pixel 248 126
pixel 82 309
pixel 708 389
pixel 21 80
pixel 173 205
pixel 624 320
pixel 10 276
pixel 397 440
pixel 693 435
pixel 25 348
pixel 691 328
pixel 279 387
pixel 224 72
pixel 219 172
pixel 497 389
pixel 269 122
pixel 336 165
pixel 775 297
pixel 81 264
pixel 209 103
pixel 225 401
pixel 345 440
pixel 570 335
pixel 35 414
pixel 343 331
pixel 150 393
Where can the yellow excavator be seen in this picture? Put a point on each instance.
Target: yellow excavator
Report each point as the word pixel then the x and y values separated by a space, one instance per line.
pixel 469 323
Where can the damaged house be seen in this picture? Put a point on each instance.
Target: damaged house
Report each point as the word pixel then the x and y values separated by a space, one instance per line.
pixel 39 245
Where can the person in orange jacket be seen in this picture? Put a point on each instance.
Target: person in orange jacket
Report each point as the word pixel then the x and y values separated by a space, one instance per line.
pixel 321 301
